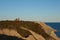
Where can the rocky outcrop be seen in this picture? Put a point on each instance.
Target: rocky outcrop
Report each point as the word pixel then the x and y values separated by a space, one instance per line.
pixel 35 35
pixel 50 31
pixel 10 32
pixel 28 30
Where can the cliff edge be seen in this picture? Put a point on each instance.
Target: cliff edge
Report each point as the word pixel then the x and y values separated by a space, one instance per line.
pixel 28 30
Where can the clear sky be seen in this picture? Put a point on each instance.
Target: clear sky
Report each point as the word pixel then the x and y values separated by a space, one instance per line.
pixel 36 10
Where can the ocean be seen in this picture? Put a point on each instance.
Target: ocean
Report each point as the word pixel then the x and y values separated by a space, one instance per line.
pixel 55 25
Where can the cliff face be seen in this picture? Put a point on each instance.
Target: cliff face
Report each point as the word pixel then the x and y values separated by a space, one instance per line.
pixel 28 30
pixel 10 32
pixel 50 31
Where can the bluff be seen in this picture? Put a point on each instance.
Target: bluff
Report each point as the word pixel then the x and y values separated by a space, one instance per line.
pixel 28 30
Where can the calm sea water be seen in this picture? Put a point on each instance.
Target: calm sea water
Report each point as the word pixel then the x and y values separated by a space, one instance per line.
pixel 56 26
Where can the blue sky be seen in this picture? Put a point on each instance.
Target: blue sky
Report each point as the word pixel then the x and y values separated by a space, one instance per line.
pixel 35 10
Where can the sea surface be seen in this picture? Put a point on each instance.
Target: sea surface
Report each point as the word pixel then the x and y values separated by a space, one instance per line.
pixel 55 25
